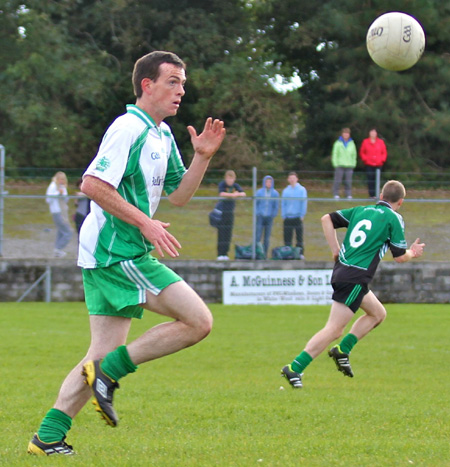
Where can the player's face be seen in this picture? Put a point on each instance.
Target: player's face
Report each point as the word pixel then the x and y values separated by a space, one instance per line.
pixel 167 91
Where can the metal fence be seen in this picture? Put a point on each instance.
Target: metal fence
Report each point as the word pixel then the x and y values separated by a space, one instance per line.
pixel 323 179
pixel 26 229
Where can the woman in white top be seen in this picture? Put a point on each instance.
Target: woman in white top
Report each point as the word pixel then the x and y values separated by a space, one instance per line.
pixel 59 211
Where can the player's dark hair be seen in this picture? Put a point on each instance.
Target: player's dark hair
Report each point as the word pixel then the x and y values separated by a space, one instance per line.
pixel 393 191
pixel 293 173
pixel 148 67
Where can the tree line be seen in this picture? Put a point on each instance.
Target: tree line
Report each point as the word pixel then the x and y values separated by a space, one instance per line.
pixel 65 74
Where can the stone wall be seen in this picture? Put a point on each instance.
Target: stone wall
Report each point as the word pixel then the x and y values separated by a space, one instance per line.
pixel 414 282
pixel 17 276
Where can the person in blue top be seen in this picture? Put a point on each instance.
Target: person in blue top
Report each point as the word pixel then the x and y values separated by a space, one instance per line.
pixel 266 210
pixel 294 205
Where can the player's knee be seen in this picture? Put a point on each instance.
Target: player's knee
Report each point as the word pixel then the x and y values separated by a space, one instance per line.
pixel 201 326
pixel 380 315
pixel 205 325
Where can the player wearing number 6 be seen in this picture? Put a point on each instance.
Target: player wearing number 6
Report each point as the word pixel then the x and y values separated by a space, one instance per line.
pixel 371 231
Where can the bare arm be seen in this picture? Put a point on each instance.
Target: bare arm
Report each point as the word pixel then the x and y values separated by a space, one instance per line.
pixel 330 235
pixel 205 146
pixel 235 194
pixel 108 198
pixel 415 251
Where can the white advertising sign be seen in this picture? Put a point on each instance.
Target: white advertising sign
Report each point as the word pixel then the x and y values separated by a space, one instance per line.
pixel 297 287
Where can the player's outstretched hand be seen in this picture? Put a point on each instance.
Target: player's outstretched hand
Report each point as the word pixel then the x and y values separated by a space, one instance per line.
pixel 162 240
pixel 417 248
pixel 209 140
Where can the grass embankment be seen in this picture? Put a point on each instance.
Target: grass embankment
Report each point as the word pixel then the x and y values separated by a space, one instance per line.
pixel 428 221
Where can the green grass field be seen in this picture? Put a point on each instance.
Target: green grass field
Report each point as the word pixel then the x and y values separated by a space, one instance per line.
pixel 220 404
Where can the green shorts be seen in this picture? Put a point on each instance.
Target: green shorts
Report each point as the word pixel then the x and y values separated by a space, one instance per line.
pixel 118 290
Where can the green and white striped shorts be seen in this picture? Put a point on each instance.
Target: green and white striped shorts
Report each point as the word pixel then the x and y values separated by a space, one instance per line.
pixel 118 290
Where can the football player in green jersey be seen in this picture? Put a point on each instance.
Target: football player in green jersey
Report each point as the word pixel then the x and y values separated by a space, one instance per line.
pixel 137 160
pixel 371 230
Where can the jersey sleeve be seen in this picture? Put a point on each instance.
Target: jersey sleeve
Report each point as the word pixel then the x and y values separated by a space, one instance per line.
pixel 397 242
pixel 175 169
pixel 111 160
pixel 341 218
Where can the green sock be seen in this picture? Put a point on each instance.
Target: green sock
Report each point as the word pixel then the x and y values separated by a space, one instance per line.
pixel 347 343
pixel 118 364
pixel 301 362
pixel 54 426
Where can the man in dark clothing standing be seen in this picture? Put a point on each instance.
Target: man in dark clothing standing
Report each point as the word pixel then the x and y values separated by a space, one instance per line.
pixel 228 189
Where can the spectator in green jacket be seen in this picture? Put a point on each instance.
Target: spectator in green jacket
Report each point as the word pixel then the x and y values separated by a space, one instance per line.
pixel 343 158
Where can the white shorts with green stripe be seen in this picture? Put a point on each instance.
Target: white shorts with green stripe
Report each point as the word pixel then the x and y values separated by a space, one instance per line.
pixel 118 290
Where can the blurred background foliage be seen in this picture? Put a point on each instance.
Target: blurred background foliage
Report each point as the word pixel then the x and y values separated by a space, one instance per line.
pixel 65 74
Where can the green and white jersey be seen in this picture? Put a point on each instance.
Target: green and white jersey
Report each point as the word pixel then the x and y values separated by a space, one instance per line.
pixel 139 159
pixel 371 230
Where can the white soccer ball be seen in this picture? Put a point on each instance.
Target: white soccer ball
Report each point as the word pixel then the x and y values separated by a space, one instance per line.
pixel 395 41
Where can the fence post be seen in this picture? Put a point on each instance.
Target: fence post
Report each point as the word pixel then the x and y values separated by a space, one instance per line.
pixel 254 185
pixel 47 278
pixel 2 193
pixel 48 284
pixel 377 182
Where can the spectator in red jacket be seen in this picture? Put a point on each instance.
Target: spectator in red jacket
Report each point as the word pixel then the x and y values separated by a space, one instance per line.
pixel 373 153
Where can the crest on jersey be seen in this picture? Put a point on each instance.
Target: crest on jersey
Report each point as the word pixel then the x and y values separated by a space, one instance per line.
pixel 103 164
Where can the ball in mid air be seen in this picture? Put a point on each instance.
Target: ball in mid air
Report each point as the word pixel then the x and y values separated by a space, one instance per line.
pixel 395 41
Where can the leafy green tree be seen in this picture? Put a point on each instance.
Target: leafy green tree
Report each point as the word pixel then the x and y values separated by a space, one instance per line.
pixel 324 42
pixel 52 92
pixel 70 76
pixel 262 124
